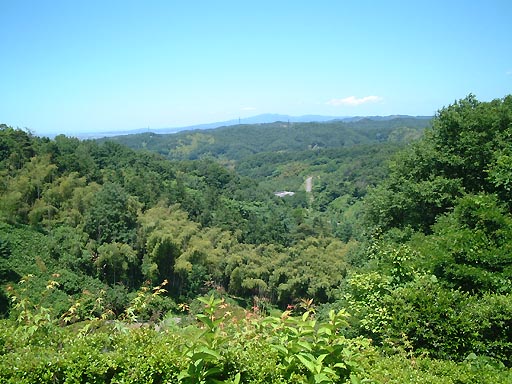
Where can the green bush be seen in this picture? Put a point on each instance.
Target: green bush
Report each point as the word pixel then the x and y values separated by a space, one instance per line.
pixel 402 369
pixel 448 324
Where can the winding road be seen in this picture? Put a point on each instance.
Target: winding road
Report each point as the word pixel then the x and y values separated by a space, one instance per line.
pixel 309 183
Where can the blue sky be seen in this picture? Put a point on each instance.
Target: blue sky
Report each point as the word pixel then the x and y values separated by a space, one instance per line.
pixel 85 66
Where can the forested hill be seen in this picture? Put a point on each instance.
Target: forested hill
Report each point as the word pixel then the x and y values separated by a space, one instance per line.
pixel 239 141
pixel 119 265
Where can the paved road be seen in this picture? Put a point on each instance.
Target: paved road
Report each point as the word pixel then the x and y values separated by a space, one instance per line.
pixel 309 183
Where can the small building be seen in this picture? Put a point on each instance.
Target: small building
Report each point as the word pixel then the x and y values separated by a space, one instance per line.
pixel 284 193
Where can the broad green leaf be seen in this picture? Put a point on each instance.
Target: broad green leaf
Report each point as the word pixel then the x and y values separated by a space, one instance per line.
pixel 206 320
pixel 310 365
pixel 280 349
pixel 321 378
pixel 305 345
pixel 207 354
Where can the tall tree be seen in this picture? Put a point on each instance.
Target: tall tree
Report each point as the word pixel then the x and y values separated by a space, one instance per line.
pixel 112 215
pixel 457 156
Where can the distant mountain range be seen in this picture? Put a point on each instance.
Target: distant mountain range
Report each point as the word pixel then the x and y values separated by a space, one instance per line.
pixel 259 119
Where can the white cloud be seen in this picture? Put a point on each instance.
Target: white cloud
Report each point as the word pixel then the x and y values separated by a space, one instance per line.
pixel 249 108
pixel 354 101
pixel 509 73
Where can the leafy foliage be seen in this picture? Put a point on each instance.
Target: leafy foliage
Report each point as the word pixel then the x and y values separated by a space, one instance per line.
pixel 460 154
pixel 409 267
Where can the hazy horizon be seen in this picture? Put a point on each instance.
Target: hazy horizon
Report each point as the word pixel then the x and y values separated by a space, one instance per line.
pixel 266 118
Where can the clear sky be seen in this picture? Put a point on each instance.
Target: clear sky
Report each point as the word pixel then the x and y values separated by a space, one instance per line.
pixel 87 65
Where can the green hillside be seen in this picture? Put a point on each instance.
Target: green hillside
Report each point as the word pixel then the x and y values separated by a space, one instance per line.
pixel 390 263
pixel 239 141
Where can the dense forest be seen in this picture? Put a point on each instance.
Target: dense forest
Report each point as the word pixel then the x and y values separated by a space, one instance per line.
pixel 169 258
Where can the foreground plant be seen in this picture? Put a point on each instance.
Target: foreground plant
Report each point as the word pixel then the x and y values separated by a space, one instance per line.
pixel 316 350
